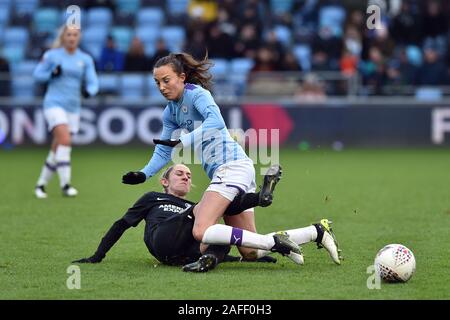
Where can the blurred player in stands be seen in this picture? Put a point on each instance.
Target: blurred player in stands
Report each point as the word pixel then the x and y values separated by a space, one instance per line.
pixel 69 74
pixel 186 82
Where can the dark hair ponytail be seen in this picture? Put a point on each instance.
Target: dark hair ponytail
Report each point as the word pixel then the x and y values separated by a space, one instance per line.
pixel 197 72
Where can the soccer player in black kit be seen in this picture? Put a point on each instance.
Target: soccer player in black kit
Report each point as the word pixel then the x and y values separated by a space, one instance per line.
pixel 169 222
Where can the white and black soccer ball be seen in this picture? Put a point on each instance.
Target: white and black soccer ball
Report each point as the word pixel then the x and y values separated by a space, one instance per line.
pixel 395 263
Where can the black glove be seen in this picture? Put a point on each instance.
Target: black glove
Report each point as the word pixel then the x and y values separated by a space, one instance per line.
pixel 57 71
pixel 85 93
pixel 170 142
pixel 93 259
pixel 133 177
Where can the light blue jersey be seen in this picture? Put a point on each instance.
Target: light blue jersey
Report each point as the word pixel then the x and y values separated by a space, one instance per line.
pixel 197 113
pixel 65 91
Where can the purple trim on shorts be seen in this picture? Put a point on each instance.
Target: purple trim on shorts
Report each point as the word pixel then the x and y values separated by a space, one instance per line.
pixel 50 167
pixel 63 164
pixel 236 237
pixel 237 187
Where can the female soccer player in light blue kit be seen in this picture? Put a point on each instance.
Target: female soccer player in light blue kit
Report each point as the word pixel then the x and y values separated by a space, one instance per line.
pixel 69 73
pixel 185 82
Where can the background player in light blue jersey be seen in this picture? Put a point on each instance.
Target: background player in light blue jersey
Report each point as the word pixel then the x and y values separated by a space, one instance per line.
pixel 185 82
pixel 69 73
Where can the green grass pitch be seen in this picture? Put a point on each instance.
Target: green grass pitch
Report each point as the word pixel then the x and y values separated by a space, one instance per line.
pixel 374 197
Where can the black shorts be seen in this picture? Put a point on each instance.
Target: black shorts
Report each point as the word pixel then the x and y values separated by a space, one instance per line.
pixel 172 242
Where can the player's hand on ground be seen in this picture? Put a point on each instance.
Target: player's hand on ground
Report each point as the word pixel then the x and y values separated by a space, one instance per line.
pixel 169 142
pixel 134 177
pixel 57 71
pixel 93 259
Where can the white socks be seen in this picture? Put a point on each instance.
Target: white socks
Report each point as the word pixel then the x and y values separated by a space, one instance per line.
pixel 62 157
pixel 299 236
pixel 223 234
pixel 48 169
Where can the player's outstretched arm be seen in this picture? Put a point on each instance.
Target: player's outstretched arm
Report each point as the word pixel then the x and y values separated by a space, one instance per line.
pixel 110 238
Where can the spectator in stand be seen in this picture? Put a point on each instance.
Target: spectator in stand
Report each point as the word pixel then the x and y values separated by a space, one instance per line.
pixel 205 10
pixel 111 59
pixel 220 44
pixel 289 62
pixel 348 63
pixel 310 90
pixel 327 42
pixel 264 61
pixel 5 83
pixel 275 46
pixel 400 71
pixel 110 4
pixel 435 19
pixel 247 42
pixel 373 71
pixel 433 71
pixel 196 45
pixel 406 27
pixel 161 51
pixel 135 59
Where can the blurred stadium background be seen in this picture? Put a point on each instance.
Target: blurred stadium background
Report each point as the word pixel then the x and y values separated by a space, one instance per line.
pixel 309 68
pixel 277 54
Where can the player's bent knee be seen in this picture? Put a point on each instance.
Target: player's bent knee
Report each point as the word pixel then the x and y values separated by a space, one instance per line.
pixel 198 233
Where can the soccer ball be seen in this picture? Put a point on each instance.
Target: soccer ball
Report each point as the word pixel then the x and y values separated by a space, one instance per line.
pixel 395 263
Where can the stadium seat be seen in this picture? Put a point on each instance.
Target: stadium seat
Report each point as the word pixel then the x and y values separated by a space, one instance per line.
pixel 174 36
pixel 94 35
pixel 4 16
pixel 332 16
pixel 303 54
pixel 99 17
pixel 152 88
pixel 23 87
pixel 46 20
pixel 150 17
pixel 239 70
pixel 25 6
pixel 122 37
pixel 283 34
pixel 132 86
pixel 15 36
pixel 280 7
pixel 220 69
pixel 108 83
pixel 25 67
pixel 177 7
pixel 14 53
pixel 94 49
pixel 131 6
pixel 148 35
pixel 428 94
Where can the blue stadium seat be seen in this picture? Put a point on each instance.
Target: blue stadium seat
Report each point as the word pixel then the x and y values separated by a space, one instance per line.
pixel 148 35
pixel 174 36
pixel 283 34
pixel 13 53
pixel 177 7
pixel 99 17
pixel 46 20
pixel 122 37
pixel 220 69
pixel 25 67
pixel 130 6
pixel 94 35
pixel 428 94
pixel 332 16
pixel 150 17
pixel 132 86
pixel 15 36
pixel 303 55
pixel 94 49
pixel 241 66
pixel 280 7
pixel 108 83
pixel 23 86
pixel 25 6
pixel 4 16
pixel 152 88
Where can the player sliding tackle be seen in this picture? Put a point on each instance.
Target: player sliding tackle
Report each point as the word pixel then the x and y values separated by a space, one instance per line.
pixel 168 232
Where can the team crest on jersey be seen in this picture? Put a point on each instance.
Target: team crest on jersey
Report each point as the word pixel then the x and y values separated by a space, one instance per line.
pixel 184 109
